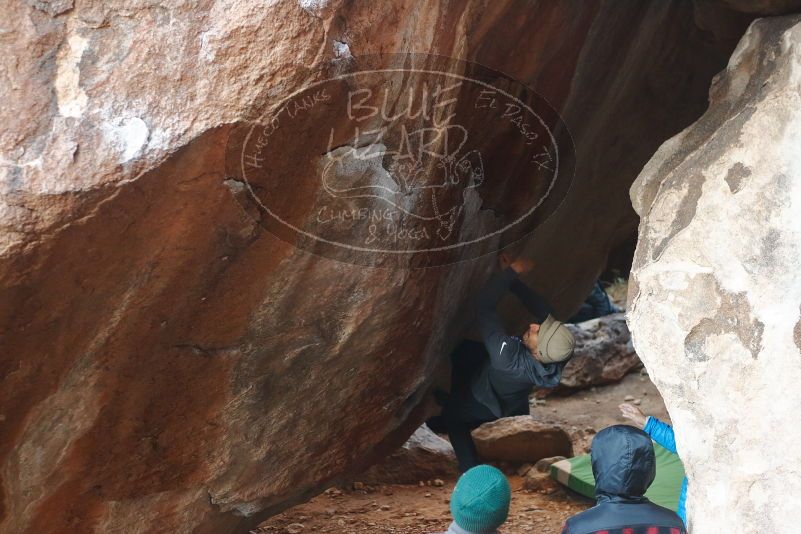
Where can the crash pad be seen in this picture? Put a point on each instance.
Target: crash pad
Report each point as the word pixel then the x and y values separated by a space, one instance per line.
pixel 576 474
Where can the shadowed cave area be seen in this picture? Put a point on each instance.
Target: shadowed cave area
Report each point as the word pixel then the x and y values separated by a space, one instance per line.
pixel 239 243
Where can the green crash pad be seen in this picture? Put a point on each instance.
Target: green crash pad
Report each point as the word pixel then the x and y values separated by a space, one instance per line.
pixel 576 474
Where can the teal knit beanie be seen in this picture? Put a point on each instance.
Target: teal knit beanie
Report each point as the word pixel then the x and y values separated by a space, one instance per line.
pixel 480 500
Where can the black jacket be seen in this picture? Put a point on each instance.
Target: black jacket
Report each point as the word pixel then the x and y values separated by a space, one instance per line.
pixel 624 466
pixel 506 379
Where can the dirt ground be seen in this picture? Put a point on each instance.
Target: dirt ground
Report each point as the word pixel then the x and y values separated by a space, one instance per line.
pixel 423 508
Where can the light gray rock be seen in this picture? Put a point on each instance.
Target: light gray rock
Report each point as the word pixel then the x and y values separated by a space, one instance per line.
pixel 538 481
pixel 424 456
pixel 715 293
pixel 544 465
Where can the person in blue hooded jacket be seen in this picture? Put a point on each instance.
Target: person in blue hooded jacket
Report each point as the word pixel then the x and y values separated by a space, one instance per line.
pixel 662 433
pixel 624 466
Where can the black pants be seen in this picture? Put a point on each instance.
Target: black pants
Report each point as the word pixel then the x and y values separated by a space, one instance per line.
pixel 461 412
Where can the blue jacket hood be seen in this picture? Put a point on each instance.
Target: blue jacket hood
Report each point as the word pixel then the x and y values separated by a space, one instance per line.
pixel 623 463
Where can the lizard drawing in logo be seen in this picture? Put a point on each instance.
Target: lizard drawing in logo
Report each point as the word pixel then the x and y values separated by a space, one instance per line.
pixel 426 177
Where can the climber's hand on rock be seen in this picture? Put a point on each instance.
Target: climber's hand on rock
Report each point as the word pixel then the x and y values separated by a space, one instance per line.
pixel 522 265
pixel 633 413
pixel 519 265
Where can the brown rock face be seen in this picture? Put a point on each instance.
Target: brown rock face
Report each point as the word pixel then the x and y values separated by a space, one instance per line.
pixel 521 439
pixel 169 365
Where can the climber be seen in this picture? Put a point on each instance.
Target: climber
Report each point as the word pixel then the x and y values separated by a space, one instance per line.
pixel 624 466
pixel 480 501
pixel 494 380
pixel 662 433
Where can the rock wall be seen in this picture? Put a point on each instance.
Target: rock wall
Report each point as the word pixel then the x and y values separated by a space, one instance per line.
pixel 714 294
pixel 169 365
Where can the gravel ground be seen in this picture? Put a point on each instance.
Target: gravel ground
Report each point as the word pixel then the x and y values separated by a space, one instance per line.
pixel 419 509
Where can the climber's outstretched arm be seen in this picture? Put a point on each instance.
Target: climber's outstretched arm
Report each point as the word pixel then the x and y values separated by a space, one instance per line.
pixel 503 349
pixel 534 303
pixel 490 325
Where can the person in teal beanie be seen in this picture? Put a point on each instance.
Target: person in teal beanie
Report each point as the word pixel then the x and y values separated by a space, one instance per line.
pixel 661 433
pixel 480 501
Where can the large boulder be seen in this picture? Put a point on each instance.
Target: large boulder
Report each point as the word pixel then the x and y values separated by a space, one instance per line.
pixel 715 294
pixel 424 456
pixel 170 365
pixel 521 439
